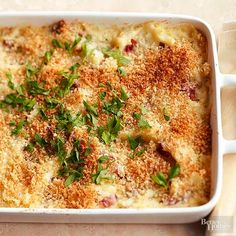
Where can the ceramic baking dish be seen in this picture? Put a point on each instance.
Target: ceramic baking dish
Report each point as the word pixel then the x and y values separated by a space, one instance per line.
pixel 219 145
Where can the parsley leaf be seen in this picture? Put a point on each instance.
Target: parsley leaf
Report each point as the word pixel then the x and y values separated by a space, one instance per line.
pixel 51 102
pixel 74 67
pixel 174 171
pixel 143 124
pixel 102 95
pixel 10 83
pixel 121 71
pixel 66 83
pixel 91 109
pixel 70 47
pixel 48 56
pixel 134 142
pixel 160 179
pixel 17 130
pixel 30 70
pixel 34 88
pixel 166 117
pixel 60 150
pixel 70 179
pixel 56 43
pixel 124 95
pixel 42 114
pixel 102 173
pixel 40 140
pixel 66 121
pixel 29 147
pixel 109 132
pixel 15 100
pixel 116 54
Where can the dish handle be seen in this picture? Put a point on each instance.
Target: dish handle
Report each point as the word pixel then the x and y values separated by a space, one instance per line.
pixel 229 144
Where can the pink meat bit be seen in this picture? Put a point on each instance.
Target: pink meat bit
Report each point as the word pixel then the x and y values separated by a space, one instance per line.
pixel 130 47
pixel 108 201
pixel 191 91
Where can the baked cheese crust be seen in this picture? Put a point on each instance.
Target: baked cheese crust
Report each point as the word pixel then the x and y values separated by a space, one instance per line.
pixel 98 116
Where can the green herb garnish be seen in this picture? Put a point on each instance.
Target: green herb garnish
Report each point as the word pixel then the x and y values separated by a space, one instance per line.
pixel 40 140
pixel 18 128
pixel 10 83
pixel 56 43
pixel 48 57
pixel 30 70
pixel 66 83
pixel 134 142
pixel 35 88
pixel 109 132
pixel 160 179
pixel 174 171
pixel 74 67
pixel 102 173
pixel 116 54
pixel 102 95
pixel 166 116
pixel 70 47
pixel 121 72
pixel 91 109
pixel 142 123
pixel 42 114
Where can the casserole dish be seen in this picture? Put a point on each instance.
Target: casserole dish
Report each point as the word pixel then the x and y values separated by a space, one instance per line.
pixel 153 215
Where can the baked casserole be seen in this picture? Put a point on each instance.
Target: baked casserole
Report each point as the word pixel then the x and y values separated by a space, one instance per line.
pixel 100 116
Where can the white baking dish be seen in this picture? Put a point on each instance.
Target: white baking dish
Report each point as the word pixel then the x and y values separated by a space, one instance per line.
pixel 219 145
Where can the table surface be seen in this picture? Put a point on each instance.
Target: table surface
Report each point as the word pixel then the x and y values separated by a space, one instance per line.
pixel 215 12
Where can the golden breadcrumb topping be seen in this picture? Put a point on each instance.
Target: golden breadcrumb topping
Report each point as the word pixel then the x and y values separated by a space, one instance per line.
pixel 98 116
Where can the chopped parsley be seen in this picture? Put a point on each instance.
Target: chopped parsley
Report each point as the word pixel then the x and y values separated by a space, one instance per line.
pixel 35 88
pixel 74 67
pixel 60 149
pixel 10 83
pixel 18 128
pixel 142 123
pixel 71 47
pixel 56 43
pixel 110 132
pixel 121 71
pixel 66 83
pixel 91 109
pixel 39 140
pixel 134 142
pixel 124 95
pixel 51 102
pixel 73 165
pixel 102 173
pixel 29 147
pixel 21 102
pixel 30 70
pixel 48 56
pixel 166 116
pixel 160 179
pixel 174 171
pixel 117 55
pixel 66 121
pixel 102 95
pixel 42 114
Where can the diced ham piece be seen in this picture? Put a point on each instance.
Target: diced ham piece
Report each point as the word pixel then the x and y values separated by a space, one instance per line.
pixel 108 201
pixel 130 47
pixel 191 91
pixel 58 27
